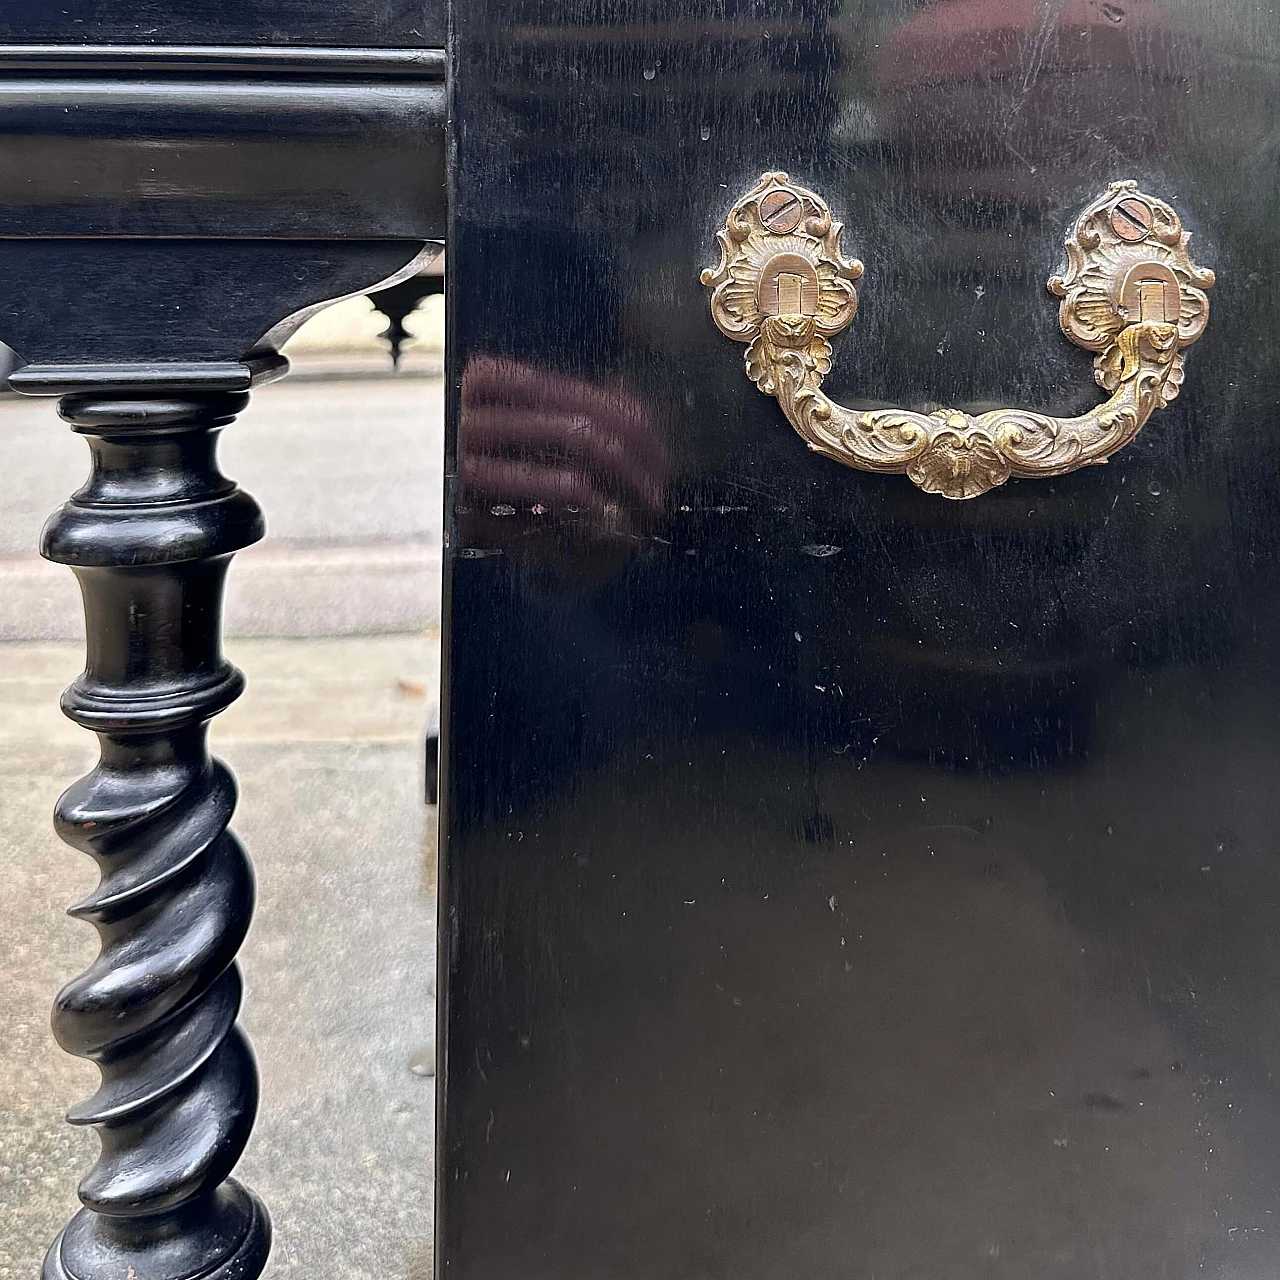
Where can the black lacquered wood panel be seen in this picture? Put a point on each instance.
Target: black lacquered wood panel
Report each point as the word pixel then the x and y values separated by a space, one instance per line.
pixel 841 881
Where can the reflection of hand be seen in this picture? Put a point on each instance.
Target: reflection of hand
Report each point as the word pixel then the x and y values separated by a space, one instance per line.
pixel 533 443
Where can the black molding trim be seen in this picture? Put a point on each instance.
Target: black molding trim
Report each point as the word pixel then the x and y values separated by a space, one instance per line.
pixel 254 143
pixel 228 60
pixel 283 24
pixel 171 375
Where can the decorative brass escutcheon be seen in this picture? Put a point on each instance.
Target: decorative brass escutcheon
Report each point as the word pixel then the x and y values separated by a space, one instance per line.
pixel 1130 293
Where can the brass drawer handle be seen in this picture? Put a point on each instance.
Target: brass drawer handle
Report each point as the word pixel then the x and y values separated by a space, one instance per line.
pixel 1129 291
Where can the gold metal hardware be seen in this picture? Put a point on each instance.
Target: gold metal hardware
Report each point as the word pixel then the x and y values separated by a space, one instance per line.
pixel 1130 294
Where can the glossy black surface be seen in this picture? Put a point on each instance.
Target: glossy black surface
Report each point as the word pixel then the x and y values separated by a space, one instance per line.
pixel 150 536
pixel 172 140
pixel 251 22
pixel 840 881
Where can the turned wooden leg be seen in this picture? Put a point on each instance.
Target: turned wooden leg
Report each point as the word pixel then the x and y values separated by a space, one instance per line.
pixel 150 538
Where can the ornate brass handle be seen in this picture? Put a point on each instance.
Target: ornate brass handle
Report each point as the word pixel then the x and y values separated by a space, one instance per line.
pixel 1129 291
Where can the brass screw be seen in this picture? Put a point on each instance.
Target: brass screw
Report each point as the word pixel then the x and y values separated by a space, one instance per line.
pixel 1131 219
pixel 780 211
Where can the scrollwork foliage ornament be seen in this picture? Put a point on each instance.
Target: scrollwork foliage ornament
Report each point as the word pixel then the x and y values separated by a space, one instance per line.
pixel 1130 293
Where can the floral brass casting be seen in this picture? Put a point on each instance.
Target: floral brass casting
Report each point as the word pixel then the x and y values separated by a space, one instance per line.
pixel 1130 293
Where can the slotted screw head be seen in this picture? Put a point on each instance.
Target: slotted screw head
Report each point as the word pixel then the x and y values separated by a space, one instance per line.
pixel 1131 219
pixel 780 211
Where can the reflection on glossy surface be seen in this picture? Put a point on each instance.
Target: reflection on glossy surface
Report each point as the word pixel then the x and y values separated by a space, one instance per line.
pixel 537 442
pixel 841 882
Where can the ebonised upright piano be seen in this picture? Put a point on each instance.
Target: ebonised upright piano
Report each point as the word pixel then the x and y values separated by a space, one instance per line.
pixel 861 848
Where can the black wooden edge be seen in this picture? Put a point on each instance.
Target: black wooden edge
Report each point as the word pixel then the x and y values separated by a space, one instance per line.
pixel 227 375
pixel 228 60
